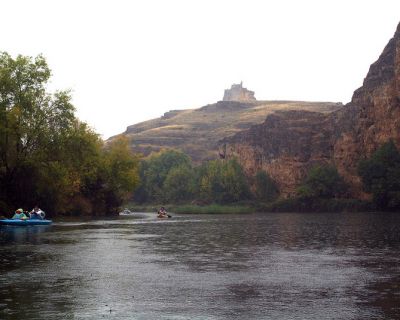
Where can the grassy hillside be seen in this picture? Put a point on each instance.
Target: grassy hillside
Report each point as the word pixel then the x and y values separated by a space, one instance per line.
pixel 197 131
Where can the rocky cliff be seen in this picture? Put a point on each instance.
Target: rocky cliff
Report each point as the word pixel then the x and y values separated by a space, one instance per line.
pixel 288 143
pixel 373 115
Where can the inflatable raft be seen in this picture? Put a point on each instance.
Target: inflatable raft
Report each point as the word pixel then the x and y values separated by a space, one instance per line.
pixel 28 222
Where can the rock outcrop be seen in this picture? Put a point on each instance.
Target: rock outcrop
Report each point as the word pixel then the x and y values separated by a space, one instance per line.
pixel 373 116
pixel 288 143
pixel 238 93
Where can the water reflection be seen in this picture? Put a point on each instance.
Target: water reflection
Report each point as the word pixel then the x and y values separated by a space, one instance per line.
pixel 21 234
pixel 261 266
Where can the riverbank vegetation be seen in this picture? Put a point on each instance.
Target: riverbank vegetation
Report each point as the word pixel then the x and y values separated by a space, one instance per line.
pixel 221 186
pixel 380 175
pixel 170 177
pixel 48 156
pixel 51 158
pixel 323 190
pixel 213 208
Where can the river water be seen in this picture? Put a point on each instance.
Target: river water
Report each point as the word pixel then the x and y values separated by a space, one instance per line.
pixel 253 266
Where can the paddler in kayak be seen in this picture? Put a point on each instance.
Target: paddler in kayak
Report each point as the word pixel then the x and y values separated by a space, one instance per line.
pixel 162 213
pixel 37 213
pixel 19 215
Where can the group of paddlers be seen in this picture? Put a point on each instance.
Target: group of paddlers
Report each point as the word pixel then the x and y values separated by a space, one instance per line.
pixel 36 213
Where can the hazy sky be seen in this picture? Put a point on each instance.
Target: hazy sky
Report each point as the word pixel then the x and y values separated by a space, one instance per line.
pixel 130 61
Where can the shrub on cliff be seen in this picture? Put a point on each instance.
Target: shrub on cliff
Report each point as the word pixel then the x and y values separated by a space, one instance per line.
pixel 322 182
pixel 265 188
pixel 380 175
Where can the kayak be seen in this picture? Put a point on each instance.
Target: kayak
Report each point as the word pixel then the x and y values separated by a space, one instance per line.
pixel 28 222
pixel 164 216
pixel 127 212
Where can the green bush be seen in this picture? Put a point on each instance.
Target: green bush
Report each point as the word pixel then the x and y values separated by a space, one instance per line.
pixel 265 188
pixel 380 175
pixel 222 182
pixel 322 182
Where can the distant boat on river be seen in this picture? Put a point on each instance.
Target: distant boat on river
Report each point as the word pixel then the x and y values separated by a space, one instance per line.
pixel 127 213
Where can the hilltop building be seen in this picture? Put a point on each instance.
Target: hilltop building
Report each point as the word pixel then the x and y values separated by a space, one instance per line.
pixel 238 93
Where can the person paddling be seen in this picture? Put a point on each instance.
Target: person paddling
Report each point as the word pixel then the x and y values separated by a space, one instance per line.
pixel 37 213
pixel 19 215
pixel 162 213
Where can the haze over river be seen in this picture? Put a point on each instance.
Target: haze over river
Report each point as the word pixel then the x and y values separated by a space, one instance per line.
pixel 257 266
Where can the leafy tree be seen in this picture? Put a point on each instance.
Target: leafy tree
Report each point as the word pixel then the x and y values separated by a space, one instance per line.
pixel 156 169
pixel 115 178
pixel 47 155
pixel 32 123
pixel 223 182
pixel 179 184
pixel 169 176
pixel 141 193
pixel 322 182
pixel 380 175
pixel 266 188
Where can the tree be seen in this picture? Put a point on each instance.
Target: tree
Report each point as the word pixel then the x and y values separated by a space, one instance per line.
pixel 178 184
pixel 380 175
pixel 32 123
pixel 266 188
pixel 47 155
pixel 155 170
pixel 222 182
pixel 115 179
pixel 322 182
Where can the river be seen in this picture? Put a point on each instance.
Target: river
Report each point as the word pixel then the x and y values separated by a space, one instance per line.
pixel 251 266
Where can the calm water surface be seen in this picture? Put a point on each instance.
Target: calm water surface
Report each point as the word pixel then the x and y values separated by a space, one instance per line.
pixel 259 266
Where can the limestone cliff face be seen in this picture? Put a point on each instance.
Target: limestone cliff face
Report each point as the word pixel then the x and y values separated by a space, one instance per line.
pixel 373 115
pixel 288 143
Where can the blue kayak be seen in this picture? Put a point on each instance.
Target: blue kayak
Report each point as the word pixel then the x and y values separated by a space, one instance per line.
pixel 28 222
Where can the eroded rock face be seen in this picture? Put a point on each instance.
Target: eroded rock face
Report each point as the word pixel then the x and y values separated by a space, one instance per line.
pixel 288 143
pixel 372 117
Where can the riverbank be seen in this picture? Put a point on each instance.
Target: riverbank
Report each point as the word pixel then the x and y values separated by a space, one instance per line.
pixel 281 205
pixel 195 209
pixel 316 205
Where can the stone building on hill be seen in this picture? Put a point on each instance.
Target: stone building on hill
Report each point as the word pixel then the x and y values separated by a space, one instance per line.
pixel 238 93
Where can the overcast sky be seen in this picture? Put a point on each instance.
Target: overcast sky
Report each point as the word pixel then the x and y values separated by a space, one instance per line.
pixel 130 61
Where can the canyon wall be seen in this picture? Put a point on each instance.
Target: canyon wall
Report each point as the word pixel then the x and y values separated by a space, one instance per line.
pixel 287 144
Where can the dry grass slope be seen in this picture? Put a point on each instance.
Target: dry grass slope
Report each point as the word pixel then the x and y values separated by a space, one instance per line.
pixel 197 131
